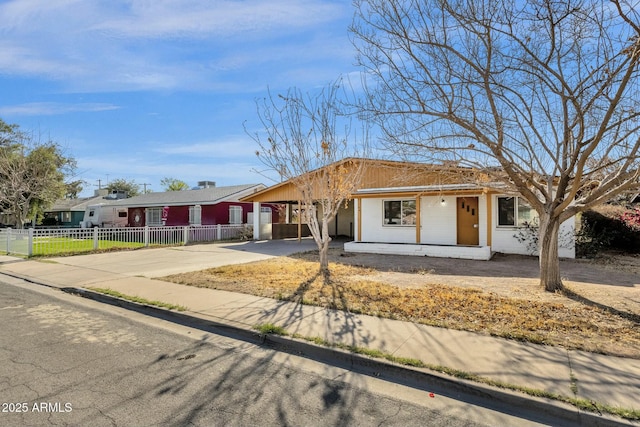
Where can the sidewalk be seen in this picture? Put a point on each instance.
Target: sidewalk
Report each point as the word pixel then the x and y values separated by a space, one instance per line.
pixel 607 380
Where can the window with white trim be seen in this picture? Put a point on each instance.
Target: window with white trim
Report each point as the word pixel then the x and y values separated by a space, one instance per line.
pixel 195 215
pixel 515 212
pixel 154 216
pixel 235 214
pixel 399 212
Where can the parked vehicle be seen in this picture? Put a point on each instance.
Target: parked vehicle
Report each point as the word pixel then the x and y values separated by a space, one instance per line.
pixel 104 215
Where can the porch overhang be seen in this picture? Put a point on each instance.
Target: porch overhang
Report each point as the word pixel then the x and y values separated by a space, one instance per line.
pixel 450 189
pixel 482 253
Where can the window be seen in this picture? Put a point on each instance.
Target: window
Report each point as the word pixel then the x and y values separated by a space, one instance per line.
pixel 399 212
pixel 65 216
pixel 515 212
pixel 235 214
pixel 154 216
pixel 195 215
pixel 122 214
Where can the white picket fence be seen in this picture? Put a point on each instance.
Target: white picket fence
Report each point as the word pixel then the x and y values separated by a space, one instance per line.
pixel 52 241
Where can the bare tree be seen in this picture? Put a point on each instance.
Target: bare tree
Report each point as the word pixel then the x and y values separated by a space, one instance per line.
pixel 310 141
pixel 539 94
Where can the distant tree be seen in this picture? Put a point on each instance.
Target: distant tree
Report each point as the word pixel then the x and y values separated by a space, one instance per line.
pixel 32 174
pixel 540 95
pixel 173 184
pixel 8 133
pixel 308 140
pixel 130 187
pixel 73 188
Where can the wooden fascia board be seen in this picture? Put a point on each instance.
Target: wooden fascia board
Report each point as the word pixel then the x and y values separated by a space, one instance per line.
pixel 419 193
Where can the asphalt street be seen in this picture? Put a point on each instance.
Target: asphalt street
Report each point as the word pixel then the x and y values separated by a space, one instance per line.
pixel 65 360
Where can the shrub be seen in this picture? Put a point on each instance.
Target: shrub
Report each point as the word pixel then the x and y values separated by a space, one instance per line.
pixel 631 218
pixel 609 227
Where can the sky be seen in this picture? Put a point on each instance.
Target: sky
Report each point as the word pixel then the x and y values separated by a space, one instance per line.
pixel 146 89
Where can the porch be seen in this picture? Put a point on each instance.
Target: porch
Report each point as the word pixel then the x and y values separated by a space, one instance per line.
pixel 482 253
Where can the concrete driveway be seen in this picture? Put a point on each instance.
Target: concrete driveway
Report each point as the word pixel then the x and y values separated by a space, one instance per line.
pixel 158 262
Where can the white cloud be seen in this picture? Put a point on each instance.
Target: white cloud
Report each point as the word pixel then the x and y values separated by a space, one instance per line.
pixel 234 147
pixel 52 108
pixel 93 46
pixel 199 18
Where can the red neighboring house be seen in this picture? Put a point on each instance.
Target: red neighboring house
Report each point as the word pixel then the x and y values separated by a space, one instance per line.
pixel 204 206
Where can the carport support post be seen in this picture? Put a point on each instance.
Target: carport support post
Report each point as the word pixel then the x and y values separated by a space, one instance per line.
pixel 256 220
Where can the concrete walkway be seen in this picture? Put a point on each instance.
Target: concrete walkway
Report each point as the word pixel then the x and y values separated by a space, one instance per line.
pixel 607 380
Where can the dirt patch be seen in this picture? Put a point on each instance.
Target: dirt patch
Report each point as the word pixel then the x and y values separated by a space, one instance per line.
pixel 599 312
pixel 611 280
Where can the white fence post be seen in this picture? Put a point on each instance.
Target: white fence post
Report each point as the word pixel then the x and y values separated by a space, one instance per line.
pixel 219 232
pixel 146 235
pixel 30 244
pixel 256 220
pixel 185 234
pixel 95 238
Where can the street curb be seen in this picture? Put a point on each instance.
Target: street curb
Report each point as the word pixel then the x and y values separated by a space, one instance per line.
pixel 501 400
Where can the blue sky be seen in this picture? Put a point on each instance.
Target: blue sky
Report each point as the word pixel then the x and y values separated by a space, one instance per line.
pixel 146 89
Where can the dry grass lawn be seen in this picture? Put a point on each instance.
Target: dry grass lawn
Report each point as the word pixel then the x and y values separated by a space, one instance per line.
pixel 562 320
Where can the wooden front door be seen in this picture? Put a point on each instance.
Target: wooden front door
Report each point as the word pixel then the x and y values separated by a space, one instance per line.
pixel 467 219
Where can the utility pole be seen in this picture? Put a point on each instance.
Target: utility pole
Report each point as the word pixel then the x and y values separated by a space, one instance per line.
pixel 144 185
pixel 99 184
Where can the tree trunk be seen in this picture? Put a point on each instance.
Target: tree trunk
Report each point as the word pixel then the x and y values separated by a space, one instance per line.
pixel 323 249
pixel 549 259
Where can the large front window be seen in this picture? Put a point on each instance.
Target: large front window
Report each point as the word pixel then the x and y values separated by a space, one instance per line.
pixel 235 214
pixel 515 212
pixel 154 216
pixel 195 215
pixel 399 212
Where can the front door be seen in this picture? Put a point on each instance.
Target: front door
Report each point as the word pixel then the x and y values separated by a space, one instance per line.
pixel 467 218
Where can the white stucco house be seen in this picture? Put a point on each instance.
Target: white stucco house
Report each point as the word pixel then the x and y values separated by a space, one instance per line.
pixel 429 210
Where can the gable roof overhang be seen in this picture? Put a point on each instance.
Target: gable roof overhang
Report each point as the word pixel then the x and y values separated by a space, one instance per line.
pixel 424 190
pixel 377 174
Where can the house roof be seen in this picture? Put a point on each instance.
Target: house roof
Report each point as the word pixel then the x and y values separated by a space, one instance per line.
pixel 79 204
pixel 379 174
pixel 203 196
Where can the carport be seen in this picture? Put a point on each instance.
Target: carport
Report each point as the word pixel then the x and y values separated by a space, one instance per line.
pixel 291 225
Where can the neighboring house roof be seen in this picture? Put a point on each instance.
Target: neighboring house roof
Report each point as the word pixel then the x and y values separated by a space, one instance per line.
pixel 79 204
pixel 203 196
